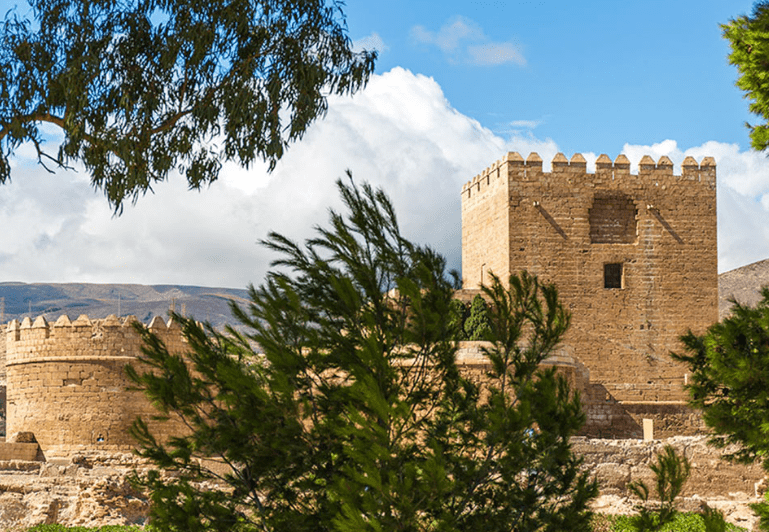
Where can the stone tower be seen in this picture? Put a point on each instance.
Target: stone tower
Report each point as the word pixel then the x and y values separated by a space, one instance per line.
pixel 633 256
pixel 67 383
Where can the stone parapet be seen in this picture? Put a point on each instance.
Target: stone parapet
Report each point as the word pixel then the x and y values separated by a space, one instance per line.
pixel 512 166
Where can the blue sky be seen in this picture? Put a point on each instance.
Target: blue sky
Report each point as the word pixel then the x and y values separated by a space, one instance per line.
pixel 457 85
pixel 590 75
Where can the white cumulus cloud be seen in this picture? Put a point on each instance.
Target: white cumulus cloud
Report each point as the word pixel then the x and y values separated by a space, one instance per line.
pixel 400 133
pixel 450 35
pixel 527 124
pixel 495 54
pixel 370 42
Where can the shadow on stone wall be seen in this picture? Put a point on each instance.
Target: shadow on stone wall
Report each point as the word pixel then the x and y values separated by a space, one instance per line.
pixel 607 417
pixel 612 419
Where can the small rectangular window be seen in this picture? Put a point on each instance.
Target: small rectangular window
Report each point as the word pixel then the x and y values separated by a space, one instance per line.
pixel 612 275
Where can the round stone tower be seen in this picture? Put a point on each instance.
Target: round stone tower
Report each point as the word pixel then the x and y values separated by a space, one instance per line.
pixel 67 382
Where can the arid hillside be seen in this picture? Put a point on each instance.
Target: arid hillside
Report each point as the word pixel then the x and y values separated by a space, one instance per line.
pixel 742 284
pixel 51 300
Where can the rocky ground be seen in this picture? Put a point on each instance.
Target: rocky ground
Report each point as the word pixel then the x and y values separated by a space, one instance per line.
pixel 91 489
pixel 85 490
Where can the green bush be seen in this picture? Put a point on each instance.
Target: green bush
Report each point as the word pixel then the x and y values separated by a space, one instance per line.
pixel 683 522
pixel 477 324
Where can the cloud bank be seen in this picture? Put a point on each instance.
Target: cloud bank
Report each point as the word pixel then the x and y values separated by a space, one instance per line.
pixel 400 133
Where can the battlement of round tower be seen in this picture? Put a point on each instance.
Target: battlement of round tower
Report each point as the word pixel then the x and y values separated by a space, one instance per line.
pixel 66 380
pixel 83 338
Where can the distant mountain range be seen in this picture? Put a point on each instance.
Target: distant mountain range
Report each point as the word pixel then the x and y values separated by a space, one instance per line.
pixel 18 300
pixel 51 300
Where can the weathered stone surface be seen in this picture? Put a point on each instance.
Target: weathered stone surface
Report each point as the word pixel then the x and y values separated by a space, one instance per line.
pixel 633 256
pixel 73 494
pixel 67 385
pixel 729 487
pixel 83 489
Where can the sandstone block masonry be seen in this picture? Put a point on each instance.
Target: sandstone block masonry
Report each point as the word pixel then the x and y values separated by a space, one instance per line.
pixel 633 256
pixel 68 391
pixel 66 381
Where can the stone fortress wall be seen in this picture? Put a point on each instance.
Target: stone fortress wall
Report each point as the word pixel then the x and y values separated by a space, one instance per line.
pixel 66 381
pixel 66 385
pixel 633 256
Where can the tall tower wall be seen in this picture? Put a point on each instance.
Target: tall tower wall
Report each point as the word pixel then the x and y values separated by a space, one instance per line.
pixel 486 225
pixel 633 256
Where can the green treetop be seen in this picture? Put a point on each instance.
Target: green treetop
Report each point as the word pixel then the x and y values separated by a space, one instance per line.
pixel 749 40
pixel 139 89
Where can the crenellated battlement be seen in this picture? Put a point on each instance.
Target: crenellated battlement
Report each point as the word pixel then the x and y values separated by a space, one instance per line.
pixel 83 338
pixel 514 167
pixel 67 382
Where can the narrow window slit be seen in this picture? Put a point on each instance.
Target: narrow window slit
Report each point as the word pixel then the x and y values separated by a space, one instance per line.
pixel 612 275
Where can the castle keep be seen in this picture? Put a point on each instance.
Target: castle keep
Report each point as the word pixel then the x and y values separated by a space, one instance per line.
pixel 633 256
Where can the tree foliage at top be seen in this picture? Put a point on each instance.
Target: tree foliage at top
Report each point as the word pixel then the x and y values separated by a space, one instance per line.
pixel 729 382
pixel 355 416
pixel 748 37
pixel 142 88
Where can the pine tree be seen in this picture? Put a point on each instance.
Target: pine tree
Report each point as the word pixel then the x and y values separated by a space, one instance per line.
pixel 458 314
pixel 748 37
pixel 477 324
pixel 729 382
pixel 353 413
pixel 671 472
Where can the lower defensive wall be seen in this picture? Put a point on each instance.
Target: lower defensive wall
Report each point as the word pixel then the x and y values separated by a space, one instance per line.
pixel 67 386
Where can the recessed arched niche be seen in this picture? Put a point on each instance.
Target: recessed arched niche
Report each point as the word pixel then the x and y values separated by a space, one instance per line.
pixel 613 219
